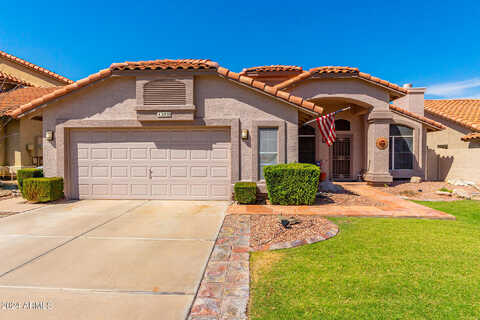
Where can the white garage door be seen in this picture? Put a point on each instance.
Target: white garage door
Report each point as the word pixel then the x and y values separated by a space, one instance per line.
pixel 150 164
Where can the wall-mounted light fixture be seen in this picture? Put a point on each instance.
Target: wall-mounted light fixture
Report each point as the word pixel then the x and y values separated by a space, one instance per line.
pixel 244 134
pixel 49 135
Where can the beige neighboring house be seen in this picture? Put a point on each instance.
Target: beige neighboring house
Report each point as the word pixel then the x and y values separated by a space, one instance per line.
pixel 454 153
pixel 190 129
pixel 21 139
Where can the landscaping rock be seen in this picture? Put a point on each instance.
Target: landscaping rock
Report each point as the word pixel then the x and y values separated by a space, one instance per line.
pixel 444 193
pixel 461 193
pixel 475 196
pixel 461 182
pixel 415 179
pixel 5 193
pixel 328 186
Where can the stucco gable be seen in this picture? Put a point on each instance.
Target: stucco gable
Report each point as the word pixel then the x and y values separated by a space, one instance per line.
pixel 183 65
pixel 335 72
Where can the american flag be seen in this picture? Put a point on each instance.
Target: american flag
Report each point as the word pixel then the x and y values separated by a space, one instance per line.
pixel 326 124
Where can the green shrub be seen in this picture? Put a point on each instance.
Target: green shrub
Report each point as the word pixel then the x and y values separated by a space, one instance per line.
pixel 443 189
pixel 292 183
pixel 245 192
pixel 43 189
pixel 23 174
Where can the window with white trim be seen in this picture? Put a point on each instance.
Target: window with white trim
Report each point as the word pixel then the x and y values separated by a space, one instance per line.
pixel 267 149
pixel 401 147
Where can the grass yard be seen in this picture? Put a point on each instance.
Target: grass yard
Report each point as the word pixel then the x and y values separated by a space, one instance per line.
pixel 376 269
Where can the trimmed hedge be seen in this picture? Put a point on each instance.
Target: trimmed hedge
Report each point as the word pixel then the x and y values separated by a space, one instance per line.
pixel 26 173
pixel 292 183
pixel 43 189
pixel 245 192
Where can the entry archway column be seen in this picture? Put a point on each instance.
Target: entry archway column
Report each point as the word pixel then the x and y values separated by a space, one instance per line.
pixel 378 158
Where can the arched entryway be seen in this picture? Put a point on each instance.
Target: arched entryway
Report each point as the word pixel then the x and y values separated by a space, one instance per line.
pixel 345 160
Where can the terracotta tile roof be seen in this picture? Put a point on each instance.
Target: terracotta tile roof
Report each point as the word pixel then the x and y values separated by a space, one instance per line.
pixel 35 67
pixel 168 64
pixel 10 79
pixel 277 67
pixel 353 72
pixel 15 98
pixel 435 124
pixel 165 64
pixel 471 136
pixel 465 112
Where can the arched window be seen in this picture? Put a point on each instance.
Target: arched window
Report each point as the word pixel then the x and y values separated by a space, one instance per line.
pixel 401 147
pixel 164 92
pixel 342 125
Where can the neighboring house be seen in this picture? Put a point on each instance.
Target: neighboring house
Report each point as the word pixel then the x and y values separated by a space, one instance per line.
pixel 20 82
pixel 454 152
pixel 189 129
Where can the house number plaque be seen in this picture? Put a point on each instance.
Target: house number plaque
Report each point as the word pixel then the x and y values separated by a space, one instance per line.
pixel 164 114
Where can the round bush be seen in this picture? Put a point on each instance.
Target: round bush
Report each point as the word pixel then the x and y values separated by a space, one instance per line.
pixel 292 183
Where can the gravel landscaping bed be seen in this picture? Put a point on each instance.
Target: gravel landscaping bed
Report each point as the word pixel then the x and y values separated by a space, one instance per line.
pixel 425 190
pixel 266 231
pixel 346 198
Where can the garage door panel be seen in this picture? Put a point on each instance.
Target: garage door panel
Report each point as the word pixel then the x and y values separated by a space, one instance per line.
pixel 177 164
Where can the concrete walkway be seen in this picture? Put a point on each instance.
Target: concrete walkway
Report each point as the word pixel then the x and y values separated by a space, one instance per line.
pixel 394 207
pixel 126 259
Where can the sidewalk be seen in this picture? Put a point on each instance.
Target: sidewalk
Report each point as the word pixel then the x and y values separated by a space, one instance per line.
pixel 394 207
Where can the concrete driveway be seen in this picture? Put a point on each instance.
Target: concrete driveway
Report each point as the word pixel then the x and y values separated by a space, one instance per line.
pixel 111 259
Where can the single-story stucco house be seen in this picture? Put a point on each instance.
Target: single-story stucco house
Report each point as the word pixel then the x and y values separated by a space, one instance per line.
pixel 21 139
pixel 190 129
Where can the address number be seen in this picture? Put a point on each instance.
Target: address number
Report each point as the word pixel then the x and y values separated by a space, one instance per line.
pixel 164 114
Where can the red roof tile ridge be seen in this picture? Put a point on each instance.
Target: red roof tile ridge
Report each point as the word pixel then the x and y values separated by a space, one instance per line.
pixel 271 68
pixel 471 136
pixel 35 67
pixel 12 78
pixel 339 69
pixel 220 70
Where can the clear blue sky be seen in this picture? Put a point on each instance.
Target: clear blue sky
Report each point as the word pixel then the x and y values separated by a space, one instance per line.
pixel 427 43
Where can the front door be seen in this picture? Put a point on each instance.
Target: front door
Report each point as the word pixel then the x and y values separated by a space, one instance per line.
pixel 342 158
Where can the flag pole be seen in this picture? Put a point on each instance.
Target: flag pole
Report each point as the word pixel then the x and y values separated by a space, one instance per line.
pixel 338 111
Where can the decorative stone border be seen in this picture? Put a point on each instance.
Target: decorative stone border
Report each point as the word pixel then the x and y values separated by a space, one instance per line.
pixel 225 287
pixel 224 291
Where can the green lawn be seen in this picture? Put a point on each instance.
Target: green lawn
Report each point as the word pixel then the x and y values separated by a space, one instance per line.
pixel 376 269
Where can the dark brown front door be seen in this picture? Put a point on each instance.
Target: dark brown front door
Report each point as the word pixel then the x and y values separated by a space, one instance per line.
pixel 342 158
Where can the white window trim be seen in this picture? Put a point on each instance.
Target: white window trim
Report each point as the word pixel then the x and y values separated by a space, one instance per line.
pixel 259 171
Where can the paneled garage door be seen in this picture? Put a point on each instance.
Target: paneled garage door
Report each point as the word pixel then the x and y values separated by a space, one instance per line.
pixel 150 164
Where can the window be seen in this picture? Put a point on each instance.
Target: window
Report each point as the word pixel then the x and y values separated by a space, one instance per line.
pixel 267 148
pixel 342 125
pixel 306 144
pixel 164 92
pixel 401 147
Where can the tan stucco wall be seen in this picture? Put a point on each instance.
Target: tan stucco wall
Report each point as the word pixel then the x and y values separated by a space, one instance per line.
pixel 215 98
pixel 12 144
pixel 27 74
pixel 459 161
pixel 357 91
pixel 19 133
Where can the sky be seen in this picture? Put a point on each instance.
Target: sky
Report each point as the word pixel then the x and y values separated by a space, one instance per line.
pixel 433 44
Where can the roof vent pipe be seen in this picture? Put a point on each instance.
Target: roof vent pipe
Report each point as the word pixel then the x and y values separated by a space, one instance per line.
pixel 407 85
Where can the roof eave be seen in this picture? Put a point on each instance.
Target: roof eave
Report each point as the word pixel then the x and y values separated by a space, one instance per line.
pixel 427 124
